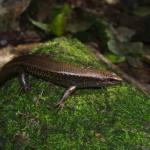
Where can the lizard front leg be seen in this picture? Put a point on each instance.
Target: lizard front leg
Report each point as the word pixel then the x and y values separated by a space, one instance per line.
pixel 67 93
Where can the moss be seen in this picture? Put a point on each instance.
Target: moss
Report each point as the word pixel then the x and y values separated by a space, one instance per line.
pixel 116 118
pixel 70 51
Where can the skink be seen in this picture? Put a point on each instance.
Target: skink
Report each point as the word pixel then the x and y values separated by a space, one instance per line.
pixel 66 75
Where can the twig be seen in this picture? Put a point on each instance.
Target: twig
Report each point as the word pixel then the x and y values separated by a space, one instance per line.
pixel 9 52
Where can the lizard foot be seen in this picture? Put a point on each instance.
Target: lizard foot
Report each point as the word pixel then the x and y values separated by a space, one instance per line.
pixel 59 106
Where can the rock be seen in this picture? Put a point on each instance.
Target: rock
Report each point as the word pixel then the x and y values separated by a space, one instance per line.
pixel 10 10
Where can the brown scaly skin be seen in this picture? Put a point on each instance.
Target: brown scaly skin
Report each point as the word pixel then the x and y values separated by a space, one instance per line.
pixel 66 75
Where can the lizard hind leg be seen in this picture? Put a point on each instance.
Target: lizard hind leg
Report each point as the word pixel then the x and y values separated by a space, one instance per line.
pixel 23 80
pixel 66 94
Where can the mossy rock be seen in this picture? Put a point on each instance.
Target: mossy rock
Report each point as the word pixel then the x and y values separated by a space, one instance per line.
pixel 113 118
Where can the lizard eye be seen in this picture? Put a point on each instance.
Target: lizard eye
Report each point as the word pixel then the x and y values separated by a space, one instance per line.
pixel 111 80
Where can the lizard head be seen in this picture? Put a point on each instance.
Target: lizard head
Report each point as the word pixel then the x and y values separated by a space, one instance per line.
pixel 109 79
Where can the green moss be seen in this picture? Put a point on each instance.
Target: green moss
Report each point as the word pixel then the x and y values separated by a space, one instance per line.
pixel 116 118
pixel 70 51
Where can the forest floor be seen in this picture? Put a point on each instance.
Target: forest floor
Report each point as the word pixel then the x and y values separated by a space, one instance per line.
pixel 92 119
